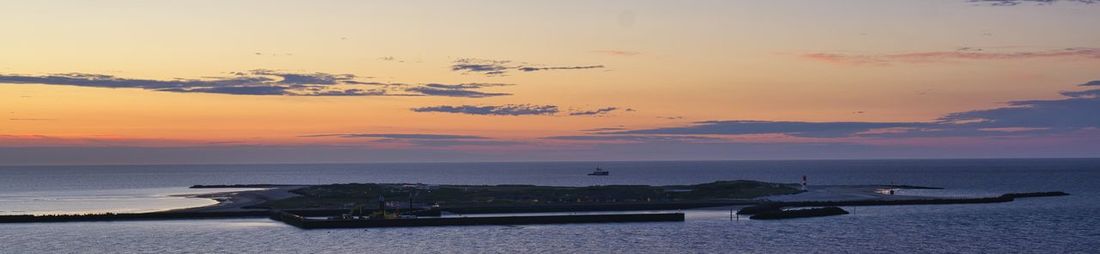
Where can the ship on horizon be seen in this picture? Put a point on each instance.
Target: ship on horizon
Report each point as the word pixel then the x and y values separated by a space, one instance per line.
pixel 600 172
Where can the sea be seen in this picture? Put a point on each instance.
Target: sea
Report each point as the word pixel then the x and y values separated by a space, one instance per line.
pixel 1069 224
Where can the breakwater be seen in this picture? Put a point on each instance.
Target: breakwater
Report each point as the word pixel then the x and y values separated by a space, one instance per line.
pixel 593 207
pixel 799 213
pixel 305 223
pixel 226 186
pixel 775 206
pixel 1035 194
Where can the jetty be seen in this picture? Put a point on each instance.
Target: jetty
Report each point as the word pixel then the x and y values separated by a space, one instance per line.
pixel 799 213
pixel 777 206
pixel 306 223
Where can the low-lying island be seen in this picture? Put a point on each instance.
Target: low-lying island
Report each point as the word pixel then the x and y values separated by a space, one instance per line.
pixel 408 205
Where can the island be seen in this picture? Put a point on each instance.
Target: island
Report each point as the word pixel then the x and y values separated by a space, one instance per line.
pixel 415 204
pixel 528 198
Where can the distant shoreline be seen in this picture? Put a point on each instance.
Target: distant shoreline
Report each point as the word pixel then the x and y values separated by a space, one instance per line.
pixel 241 204
pixel 243 200
pixel 232 201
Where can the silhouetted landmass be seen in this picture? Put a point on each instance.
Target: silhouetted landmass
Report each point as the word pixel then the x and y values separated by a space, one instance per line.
pixel 431 200
pixel 337 199
pixel 533 198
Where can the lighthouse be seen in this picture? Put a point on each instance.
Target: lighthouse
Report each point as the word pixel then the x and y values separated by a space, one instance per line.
pixel 382 205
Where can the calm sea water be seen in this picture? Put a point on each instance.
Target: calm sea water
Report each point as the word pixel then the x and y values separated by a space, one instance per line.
pixel 1043 225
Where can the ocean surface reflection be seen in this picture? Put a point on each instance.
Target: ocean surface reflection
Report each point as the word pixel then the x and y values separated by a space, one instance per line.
pixel 1041 225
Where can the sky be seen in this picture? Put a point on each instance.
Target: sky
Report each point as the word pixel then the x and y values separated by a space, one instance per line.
pixel 200 82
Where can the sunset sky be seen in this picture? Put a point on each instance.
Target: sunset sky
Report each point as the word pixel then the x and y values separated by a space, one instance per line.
pixel 147 82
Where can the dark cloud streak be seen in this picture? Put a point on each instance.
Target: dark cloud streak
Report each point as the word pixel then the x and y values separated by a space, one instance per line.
pixel 604 129
pixel 1039 2
pixel 487 67
pixel 513 110
pixel 1076 113
pixel 452 92
pixel 501 110
pixel 948 56
pixel 263 83
pixel 501 67
pixel 799 129
pixel 637 138
pixel 599 111
pixel 530 69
